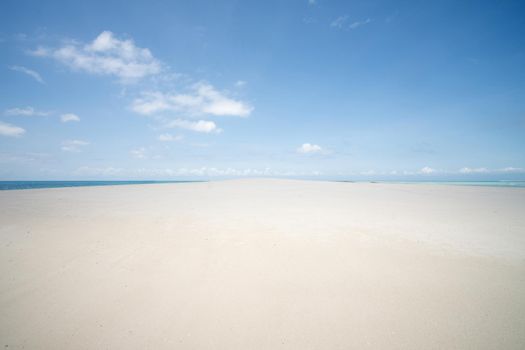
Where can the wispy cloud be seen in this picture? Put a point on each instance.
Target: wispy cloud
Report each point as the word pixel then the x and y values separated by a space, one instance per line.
pixel 309 20
pixel 473 170
pixel 25 111
pixel 307 148
pixel 11 130
pixel 98 171
pixel 339 22
pixel 467 170
pixel 443 172
pixel 106 55
pixel 73 145
pixel 511 169
pixel 342 22
pixel 139 153
pixel 240 83
pixel 69 117
pixel 204 171
pixel 204 126
pixel 169 137
pixel 23 157
pixel 202 99
pixel 35 75
pixel 357 24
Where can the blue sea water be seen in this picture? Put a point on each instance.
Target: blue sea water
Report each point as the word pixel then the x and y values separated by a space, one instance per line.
pixel 25 185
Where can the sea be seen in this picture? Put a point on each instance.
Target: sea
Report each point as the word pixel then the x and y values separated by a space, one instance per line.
pixel 27 185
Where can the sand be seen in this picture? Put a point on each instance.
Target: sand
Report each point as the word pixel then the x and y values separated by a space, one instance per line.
pixel 263 264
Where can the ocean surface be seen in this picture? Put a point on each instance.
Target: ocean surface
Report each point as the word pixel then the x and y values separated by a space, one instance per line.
pixel 26 185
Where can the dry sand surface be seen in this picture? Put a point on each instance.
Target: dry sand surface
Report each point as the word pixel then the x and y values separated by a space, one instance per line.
pixel 263 264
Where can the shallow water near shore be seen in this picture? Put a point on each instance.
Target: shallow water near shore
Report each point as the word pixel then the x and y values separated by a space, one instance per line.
pixel 26 185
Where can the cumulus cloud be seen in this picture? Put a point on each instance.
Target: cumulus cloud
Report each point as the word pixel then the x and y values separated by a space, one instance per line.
pixel 307 148
pixel 73 145
pixel 11 130
pixel 35 75
pixel 202 99
pixel 106 55
pixel 25 111
pixel 69 117
pixel 427 170
pixel 204 126
pixel 169 137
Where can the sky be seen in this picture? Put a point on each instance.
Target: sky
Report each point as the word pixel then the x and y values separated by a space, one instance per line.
pixel 398 90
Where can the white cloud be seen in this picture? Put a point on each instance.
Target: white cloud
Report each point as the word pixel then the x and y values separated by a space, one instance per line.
pixel 358 24
pixel 312 2
pixel 339 22
pixel 69 117
pixel 427 170
pixel 106 55
pixel 11 130
pixel 198 126
pixel 473 170
pixel 73 145
pixel 169 137
pixel 202 99
pixel 151 103
pixel 35 75
pixel 25 111
pixel 139 153
pixel 307 148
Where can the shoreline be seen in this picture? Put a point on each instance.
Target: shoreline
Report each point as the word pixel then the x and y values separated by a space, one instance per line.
pixel 12 185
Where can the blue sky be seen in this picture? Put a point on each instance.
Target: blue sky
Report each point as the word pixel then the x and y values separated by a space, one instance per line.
pixel 325 89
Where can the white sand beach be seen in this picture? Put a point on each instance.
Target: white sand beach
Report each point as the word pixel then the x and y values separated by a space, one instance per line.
pixel 263 264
